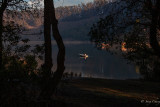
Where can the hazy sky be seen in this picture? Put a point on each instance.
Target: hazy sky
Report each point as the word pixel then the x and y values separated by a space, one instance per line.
pixel 67 2
pixel 70 2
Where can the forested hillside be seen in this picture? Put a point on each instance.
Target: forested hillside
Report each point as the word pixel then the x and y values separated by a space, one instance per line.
pixel 81 17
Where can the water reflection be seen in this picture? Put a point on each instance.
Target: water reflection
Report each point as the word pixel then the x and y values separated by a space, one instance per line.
pixel 99 64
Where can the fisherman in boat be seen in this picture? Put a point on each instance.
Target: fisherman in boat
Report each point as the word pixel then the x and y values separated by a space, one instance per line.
pixel 83 55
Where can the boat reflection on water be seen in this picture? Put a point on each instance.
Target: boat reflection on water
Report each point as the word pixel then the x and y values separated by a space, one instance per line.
pixel 84 56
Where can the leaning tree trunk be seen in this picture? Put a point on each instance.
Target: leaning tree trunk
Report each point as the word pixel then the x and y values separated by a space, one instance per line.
pixel 61 49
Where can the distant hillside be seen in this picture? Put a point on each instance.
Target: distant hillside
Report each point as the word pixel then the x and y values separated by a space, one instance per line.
pixel 92 8
pixel 28 19
pixel 74 21
pixel 34 19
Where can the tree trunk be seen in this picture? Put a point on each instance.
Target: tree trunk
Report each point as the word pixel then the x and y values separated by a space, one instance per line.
pixel 61 49
pixel 53 82
pixel 2 9
pixel 1 27
pixel 153 32
pixel 47 37
pixel 46 82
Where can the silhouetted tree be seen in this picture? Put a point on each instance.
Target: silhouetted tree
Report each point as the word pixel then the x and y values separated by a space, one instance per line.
pixel 13 5
pixel 154 7
pixel 134 12
pixel 52 25
pixel 133 26
pixel 2 9
pixel 47 38
pixel 61 48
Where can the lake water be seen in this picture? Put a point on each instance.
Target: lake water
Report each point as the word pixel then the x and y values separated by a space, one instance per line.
pixel 99 64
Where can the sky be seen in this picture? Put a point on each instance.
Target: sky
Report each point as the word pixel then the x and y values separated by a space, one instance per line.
pixel 68 2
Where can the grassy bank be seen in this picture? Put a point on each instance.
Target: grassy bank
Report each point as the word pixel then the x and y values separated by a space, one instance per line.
pixel 84 92
pixel 112 93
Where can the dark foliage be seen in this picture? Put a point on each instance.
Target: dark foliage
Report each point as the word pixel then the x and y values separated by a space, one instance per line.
pixel 130 38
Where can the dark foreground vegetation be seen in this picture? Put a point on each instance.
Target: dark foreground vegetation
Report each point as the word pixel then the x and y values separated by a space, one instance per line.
pixel 81 92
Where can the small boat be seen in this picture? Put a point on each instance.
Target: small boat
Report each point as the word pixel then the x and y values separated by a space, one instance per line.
pixel 83 55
